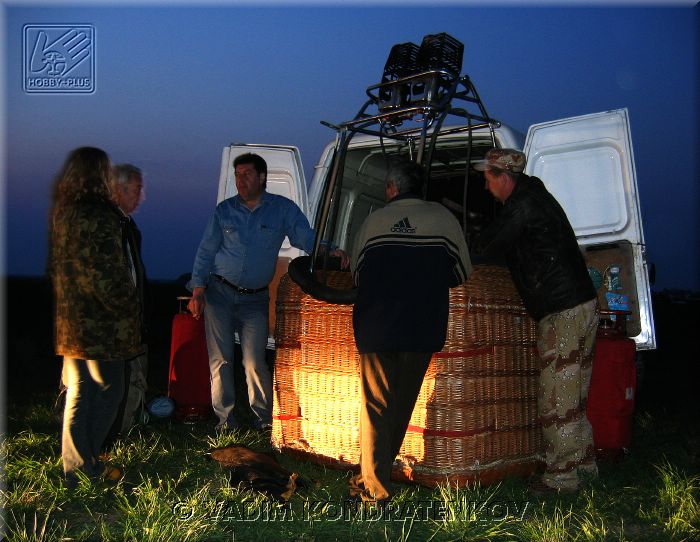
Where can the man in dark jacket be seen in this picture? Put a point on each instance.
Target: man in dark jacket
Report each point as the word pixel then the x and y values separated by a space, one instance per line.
pixel 126 188
pixel 406 257
pixel 533 233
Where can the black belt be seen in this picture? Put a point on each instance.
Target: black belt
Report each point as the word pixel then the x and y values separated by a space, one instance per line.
pixel 238 288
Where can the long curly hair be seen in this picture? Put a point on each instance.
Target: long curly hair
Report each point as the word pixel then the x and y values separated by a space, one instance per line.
pixel 85 175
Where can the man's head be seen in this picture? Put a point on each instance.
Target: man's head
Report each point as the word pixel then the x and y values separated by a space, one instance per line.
pixel 502 168
pixel 126 186
pixel 251 176
pixel 404 177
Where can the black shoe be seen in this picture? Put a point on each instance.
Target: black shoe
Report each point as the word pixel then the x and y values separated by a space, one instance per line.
pixel 265 428
pixel 538 488
pixel 229 426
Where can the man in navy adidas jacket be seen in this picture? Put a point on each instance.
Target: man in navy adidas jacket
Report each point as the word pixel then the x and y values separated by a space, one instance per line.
pixel 406 257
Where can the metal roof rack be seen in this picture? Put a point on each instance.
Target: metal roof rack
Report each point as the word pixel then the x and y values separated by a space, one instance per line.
pixel 420 88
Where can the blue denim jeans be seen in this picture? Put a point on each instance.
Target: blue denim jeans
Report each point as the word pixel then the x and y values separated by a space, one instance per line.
pixel 227 312
pixel 94 391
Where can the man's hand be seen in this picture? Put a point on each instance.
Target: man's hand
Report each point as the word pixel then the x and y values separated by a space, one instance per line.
pixel 344 258
pixel 197 303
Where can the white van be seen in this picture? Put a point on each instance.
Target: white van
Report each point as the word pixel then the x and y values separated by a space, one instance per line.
pixel 586 162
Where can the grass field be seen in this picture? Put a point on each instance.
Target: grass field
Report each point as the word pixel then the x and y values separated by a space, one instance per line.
pixel 173 491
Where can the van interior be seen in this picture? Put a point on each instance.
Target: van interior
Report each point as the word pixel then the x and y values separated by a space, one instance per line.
pixel 460 190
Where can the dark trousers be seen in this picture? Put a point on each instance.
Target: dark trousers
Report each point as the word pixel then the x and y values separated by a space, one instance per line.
pixel 391 382
pixel 114 430
pixel 94 390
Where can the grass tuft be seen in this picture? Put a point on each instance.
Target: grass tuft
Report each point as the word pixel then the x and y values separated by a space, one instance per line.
pixel 38 528
pixel 677 507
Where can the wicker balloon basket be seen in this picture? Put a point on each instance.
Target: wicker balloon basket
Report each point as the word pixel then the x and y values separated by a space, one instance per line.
pixel 476 414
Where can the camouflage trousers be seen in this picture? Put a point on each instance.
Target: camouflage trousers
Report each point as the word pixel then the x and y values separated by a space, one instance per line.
pixel 566 343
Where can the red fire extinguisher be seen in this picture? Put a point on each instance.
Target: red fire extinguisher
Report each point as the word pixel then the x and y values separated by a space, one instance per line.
pixel 613 388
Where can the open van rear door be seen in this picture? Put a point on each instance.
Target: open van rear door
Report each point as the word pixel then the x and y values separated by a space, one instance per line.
pixel 285 176
pixel 587 163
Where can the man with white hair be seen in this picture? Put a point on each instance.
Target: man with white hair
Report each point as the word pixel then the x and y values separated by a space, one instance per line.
pixel 126 188
pixel 406 258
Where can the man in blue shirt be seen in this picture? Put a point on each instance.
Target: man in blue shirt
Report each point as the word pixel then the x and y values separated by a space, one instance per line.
pixel 234 264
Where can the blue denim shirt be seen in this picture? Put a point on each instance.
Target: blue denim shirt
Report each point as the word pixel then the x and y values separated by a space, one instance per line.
pixel 242 245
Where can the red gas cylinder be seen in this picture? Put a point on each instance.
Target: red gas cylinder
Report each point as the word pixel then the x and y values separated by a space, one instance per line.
pixel 188 379
pixel 613 388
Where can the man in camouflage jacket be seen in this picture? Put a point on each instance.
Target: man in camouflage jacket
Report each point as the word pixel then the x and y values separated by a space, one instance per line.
pixel 98 323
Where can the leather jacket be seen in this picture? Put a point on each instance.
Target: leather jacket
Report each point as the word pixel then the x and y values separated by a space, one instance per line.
pixel 534 235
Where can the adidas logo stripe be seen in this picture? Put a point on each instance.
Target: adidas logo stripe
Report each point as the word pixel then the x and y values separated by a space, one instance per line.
pixel 403 226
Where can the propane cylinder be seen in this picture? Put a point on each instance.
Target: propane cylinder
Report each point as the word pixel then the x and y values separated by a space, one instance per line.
pixel 188 377
pixel 613 388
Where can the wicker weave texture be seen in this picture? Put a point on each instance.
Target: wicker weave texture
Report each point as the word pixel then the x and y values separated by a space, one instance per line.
pixel 476 409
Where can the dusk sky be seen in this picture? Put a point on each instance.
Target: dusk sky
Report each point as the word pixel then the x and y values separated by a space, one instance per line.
pixel 175 83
